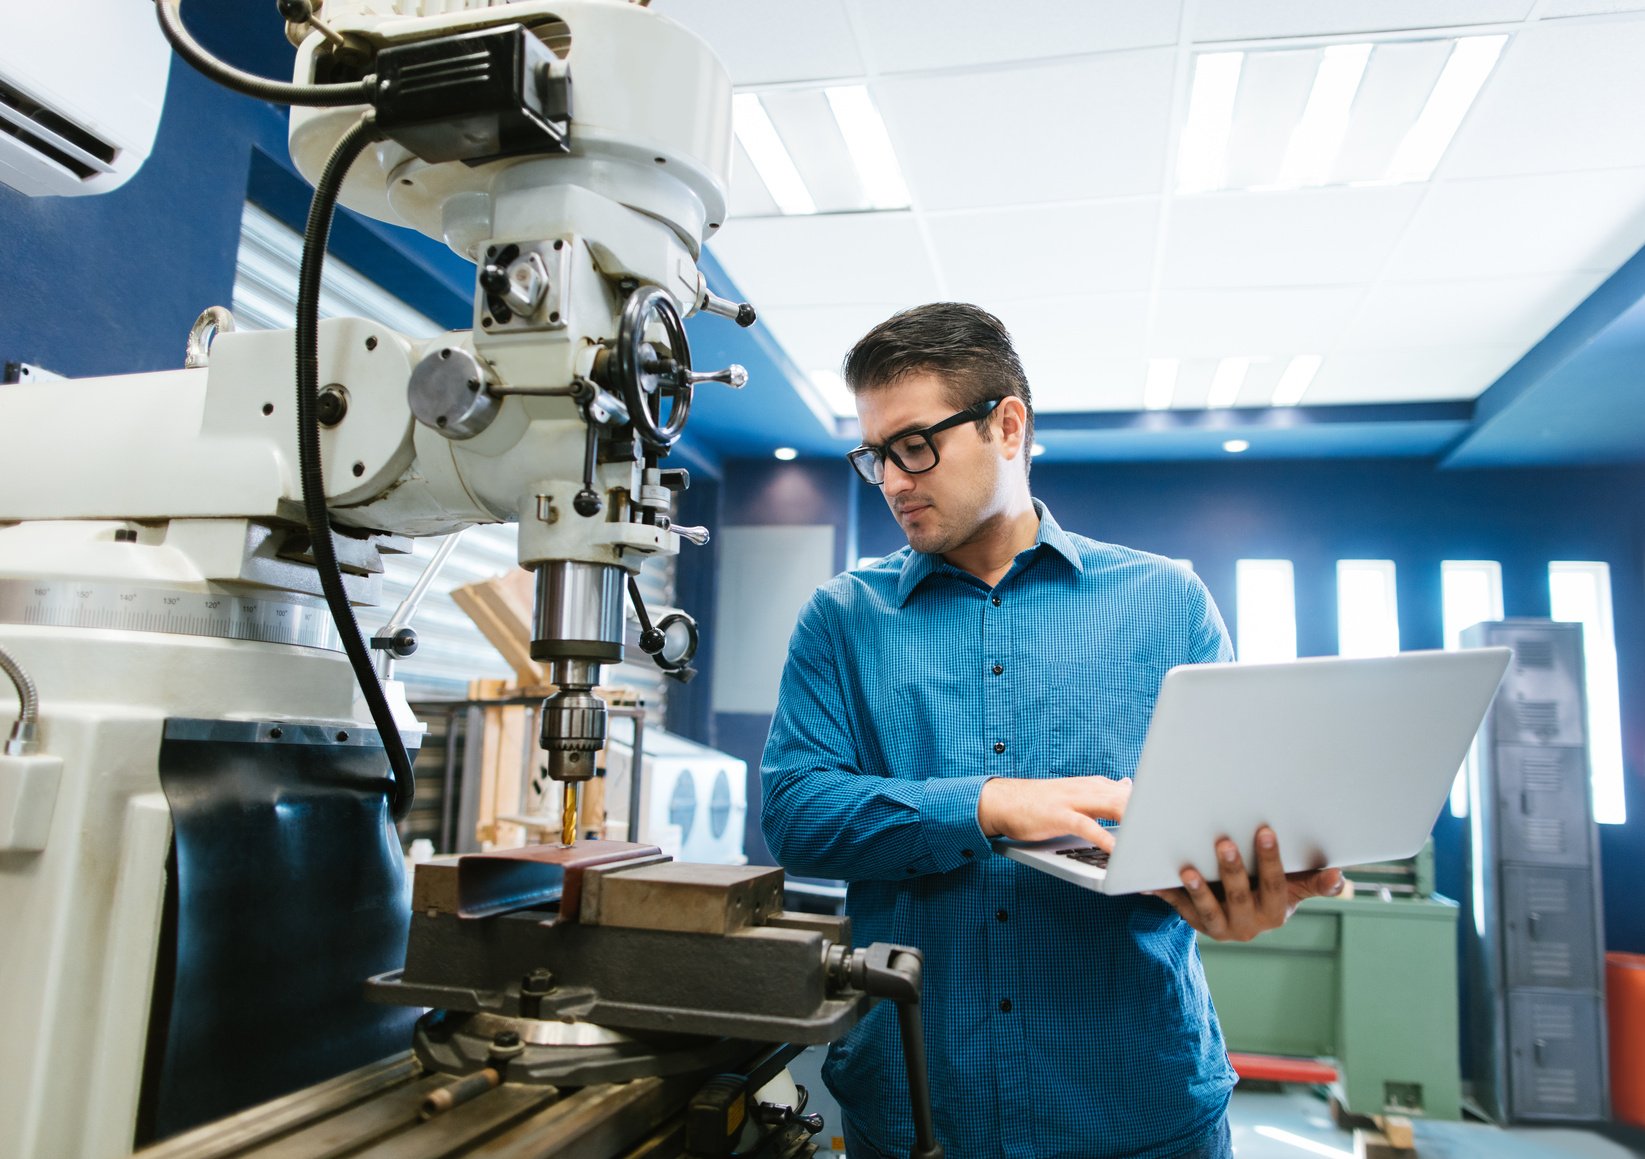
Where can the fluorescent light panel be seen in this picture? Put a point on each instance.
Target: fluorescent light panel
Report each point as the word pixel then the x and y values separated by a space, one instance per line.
pixel 864 131
pixel 770 156
pixel 1465 73
pixel 1295 380
pixel 1314 151
pixel 1317 139
pixel 1226 382
pixel 1161 385
pixel 1202 156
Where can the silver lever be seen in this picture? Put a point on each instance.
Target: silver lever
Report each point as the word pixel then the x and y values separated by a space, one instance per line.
pixel 733 376
pixel 697 535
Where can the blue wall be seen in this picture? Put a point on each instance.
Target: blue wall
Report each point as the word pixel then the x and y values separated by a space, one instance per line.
pixel 1315 514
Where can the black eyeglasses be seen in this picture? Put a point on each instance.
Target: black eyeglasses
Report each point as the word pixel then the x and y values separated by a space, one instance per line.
pixel 913 451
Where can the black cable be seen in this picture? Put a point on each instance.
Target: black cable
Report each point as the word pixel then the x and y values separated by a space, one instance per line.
pixel 279 92
pixel 315 237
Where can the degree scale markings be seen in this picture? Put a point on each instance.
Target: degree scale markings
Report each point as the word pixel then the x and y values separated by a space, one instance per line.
pixel 123 607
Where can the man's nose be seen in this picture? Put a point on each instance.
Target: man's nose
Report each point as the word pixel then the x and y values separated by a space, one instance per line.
pixel 897 481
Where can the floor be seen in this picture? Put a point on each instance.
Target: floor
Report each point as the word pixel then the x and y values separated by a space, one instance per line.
pixel 1293 1123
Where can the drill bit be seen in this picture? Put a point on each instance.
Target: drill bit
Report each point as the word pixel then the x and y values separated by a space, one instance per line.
pixel 568 826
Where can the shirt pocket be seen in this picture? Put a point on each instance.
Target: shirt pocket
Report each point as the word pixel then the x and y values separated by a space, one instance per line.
pixel 1097 714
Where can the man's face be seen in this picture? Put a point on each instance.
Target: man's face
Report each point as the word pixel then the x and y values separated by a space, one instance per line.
pixel 943 508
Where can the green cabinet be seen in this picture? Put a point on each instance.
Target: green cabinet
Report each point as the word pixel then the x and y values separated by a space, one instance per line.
pixel 1368 983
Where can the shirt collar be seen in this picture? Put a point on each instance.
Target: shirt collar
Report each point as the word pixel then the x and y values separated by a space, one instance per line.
pixel 918 566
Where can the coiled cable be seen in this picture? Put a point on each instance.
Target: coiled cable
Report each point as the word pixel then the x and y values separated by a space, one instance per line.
pixel 171 23
pixel 315 236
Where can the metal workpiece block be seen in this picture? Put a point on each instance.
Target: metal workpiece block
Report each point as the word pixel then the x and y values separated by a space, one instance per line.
pixel 478 885
pixel 687 898
pixel 835 929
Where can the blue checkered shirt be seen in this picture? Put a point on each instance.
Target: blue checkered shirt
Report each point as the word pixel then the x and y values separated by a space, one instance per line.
pixel 1058 1022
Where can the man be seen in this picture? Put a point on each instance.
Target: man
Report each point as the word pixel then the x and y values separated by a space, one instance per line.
pixel 996 679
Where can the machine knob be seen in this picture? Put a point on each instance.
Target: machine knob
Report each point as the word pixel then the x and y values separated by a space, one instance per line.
pixel 733 376
pixel 447 392
pixel 697 535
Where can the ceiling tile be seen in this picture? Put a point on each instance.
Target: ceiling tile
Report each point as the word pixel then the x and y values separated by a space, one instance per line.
pixel 1081 383
pixel 1038 251
pixel 774 40
pixel 1474 312
pixel 1428 375
pixel 1262 19
pixel 824 260
pixel 1062 340
pixel 1523 225
pixel 1072 131
pixel 1552 9
pixel 1553 104
pixel 1260 322
pixel 1315 237
pixel 818 337
pixel 915 35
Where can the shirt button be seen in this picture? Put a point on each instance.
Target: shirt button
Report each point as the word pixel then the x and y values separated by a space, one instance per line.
pixel 966 853
pixel 996 601
pixel 998 668
pixel 999 746
pixel 1000 915
pixel 1005 1005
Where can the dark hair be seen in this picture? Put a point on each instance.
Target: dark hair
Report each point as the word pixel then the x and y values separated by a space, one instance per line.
pixel 964 345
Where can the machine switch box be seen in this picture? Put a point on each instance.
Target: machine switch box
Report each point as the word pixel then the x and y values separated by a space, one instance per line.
pixel 475 96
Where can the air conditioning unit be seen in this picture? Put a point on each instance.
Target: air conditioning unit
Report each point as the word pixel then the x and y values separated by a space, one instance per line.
pixel 81 87
pixel 693 799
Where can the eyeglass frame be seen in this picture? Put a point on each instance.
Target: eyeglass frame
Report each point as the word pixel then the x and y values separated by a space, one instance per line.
pixel 974 413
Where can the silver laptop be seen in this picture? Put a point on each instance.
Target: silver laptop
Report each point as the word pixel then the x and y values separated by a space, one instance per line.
pixel 1349 760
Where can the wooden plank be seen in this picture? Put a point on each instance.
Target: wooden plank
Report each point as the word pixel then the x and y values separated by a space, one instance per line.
pixel 1373 1144
pixel 501 608
pixel 1397 1130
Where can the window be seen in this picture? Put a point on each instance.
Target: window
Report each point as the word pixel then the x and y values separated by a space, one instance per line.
pixel 1367 608
pixel 1266 610
pixel 1470 593
pixel 1581 593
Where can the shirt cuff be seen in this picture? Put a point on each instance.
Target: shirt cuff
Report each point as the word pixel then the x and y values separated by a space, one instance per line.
pixel 948 813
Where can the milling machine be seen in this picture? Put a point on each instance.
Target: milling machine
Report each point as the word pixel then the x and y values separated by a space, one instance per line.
pixel 198 864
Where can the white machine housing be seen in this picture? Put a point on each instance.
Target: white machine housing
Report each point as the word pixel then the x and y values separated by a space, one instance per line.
pixel 172 488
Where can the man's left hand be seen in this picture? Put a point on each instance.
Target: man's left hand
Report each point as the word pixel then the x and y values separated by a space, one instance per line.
pixel 1241 913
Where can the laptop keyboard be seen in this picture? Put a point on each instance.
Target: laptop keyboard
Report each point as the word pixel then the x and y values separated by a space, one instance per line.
pixel 1086 855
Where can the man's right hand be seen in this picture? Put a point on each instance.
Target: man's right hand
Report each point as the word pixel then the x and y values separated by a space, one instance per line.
pixel 1038 810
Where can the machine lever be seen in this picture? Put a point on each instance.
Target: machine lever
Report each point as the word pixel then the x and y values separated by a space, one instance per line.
pixel 897 972
pixel 739 312
pixel 697 535
pixel 733 376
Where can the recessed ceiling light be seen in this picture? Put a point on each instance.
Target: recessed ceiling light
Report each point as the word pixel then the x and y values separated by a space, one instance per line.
pixel 1225 383
pixel 1466 70
pixel 1161 385
pixel 1202 157
pixel 1235 446
pixel 1037 450
pixel 1297 377
pixel 1317 139
pixel 870 145
pixel 786 454
pixel 770 156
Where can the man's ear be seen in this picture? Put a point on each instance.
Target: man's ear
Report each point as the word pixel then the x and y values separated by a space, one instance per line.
pixel 1013 422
